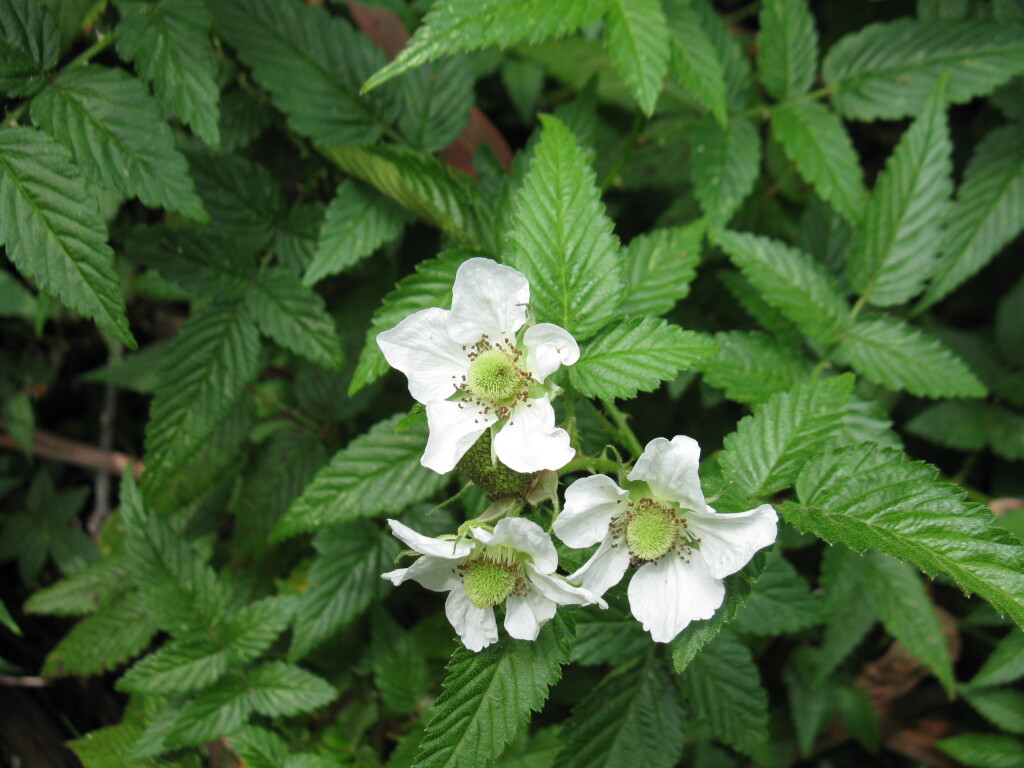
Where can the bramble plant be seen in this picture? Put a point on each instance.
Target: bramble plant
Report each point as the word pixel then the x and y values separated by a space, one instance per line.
pixel 674 349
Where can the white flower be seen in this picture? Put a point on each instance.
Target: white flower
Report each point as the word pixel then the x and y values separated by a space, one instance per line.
pixel 684 548
pixel 497 377
pixel 515 564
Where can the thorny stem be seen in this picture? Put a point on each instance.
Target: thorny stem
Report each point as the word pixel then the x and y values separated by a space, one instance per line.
pixel 626 434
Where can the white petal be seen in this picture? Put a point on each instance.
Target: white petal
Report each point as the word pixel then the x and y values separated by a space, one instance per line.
pixel 476 626
pixel 435 573
pixel 526 536
pixel 605 568
pixel 425 545
pixel 560 591
pixel 727 542
pixel 453 430
pixel 669 593
pixel 590 504
pixel 421 348
pixel 487 298
pixel 530 442
pixel 670 468
pixel 548 346
pixel 524 616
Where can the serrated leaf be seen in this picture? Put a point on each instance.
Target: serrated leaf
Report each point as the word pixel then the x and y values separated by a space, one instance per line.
pixel 866 497
pixel 202 262
pixel 791 281
pixel 860 716
pixel 279 689
pixel 849 618
pixel 214 358
pixel 636 34
pixel 436 100
pixel 694 61
pixel 287 43
pixel 724 686
pixel 984 750
pixel 400 669
pixel 959 424
pixel 724 165
pixel 633 718
pixel 357 222
pixel 561 238
pixel 751 367
pixel 886 70
pixel 636 354
pixel 815 139
pixel 81 592
pixel 787 48
pixel 489 696
pixel 734 60
pixel 190 663
pixel 1004 708
pixel 1005 664
pixel 780 602
pixel 169 44
pixel 659 267
pixel 988 212
pixel 212 714
pixel 459 26
pixel 768 449
pixel 52 230
pixel 29 45
pixel 377 473
pixel 259 747
pixel 294 316
pixel 896 245
pixel 898 356
pixel 117 135
pixel 343 580
pixel 610 634
pixel 811 697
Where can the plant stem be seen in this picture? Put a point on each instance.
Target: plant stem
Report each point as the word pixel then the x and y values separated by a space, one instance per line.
pixel 626 434
pixel 87 55
pixel 593 464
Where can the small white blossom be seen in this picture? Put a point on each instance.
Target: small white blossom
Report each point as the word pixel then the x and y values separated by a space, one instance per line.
pixel 515 565
pixel 473 368
pixel 683 547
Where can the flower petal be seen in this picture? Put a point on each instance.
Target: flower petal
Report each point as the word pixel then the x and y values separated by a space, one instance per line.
pixel 605 568
pixel 590 504
pixel 530 442
pixel 560 591
pixel 669 593
pixel 488 298
pixel 524 616
pixel 454 427
pixel 727 542
pixel 476 626
pixel 425 545
pixel 548 346
pixel 670 468
pixel 526 536
pixel 421 348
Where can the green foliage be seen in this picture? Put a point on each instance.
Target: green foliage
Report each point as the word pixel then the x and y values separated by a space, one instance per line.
pixel 636 34
pixel 659 267
pixel 984 750
pixel 780 602
pixel 751 367
pixel 29 46
pixel 788 48
pixel 723 167
pixel 436 102
pixel 694 61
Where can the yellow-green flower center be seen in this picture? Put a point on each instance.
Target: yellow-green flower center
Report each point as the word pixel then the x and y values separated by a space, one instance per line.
pixel 651 532
pixel 488 582
pixel 494 377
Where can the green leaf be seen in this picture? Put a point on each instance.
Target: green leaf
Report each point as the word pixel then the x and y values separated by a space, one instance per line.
pixel 816 141
pixel 894 251
pixel 81 592
pixel 290 43
pixel 117 135
pixel 169 44
pixel 343 580
pixel 959 424
pixel 214 358
pixel 874 497
pixel 29 46
pixel 791 281
pixel 768 449
pixel 1005 664
pixel 724 687
pixel 188 664
pixel 886 70
pixel 780 602
pixel 212 714
pixel 659 267
pixel 811 698
pixel 279 689
pixel 751 367
pixel 636 34
pixel 1004 708
pixel 377 473
pixel 204 263
pixel 400 669
pixel 608 635
pixel 636 354
pixel 694 61
pixel 860 716
pixel 459 26
pixel 1010 325
pixel 787 48
pixel 53 232
pixel 259 748
pixel 988 212
pixel 849 617
pixel 633 718
pixel 19 419
pixel 724 165
pixel 15 299
pixel 561 238
pixel 734 60
pixel 294 316
pixel 435 192
pixel 898 356
pixel 358 221
pixel 436 100
pixel 984 750
pixel 488 696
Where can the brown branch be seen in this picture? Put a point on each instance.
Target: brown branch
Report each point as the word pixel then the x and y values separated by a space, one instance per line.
pixel 54 447
pixel 23 682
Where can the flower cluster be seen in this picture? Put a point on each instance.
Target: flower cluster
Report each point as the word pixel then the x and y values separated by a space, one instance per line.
pixel 481 366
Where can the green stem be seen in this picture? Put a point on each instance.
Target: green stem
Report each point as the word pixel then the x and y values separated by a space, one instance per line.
pixel 625 432
pixel 297 415
pixel 592 464
pixel 87 55
pixel 748 10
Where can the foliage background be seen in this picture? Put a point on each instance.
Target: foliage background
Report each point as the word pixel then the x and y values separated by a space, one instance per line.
pixel 788 230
